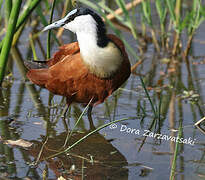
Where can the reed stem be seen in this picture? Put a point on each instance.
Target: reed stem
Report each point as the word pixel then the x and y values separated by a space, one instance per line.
pixel 8 7
pixel 23 17
pixel 49 32
pixel 33 47
pixel 177 24
pixel 8 38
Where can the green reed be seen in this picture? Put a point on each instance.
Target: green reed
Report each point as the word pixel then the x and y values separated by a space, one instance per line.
pixel 146 8
pixel 9 37
pixel 33 47
pixel 162 13
pixel 44 21
pixel 8 7
pixel 14 23
pixel 127 19
pixel 30 6
pixel 49 32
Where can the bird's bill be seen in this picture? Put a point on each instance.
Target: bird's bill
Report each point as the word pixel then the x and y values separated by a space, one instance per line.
pixel 56 24
pixel 61 22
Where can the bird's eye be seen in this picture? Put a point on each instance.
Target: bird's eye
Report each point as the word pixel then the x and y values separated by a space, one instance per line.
pixel 71 18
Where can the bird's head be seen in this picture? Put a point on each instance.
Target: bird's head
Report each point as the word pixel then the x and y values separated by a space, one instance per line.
pixel 80 19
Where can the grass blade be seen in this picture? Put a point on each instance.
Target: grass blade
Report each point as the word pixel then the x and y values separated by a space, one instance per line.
pixel 147 12
pixel 45 23
pixel 49 32
pixel 148 96
pixel 122 5
pixel 33 47
pixel 9 37
pixel 8 7
pixel 170 4
pixel 26 13
pixel 23 17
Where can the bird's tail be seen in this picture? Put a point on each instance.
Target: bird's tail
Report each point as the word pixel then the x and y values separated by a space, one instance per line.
pixel 38 72
pixel 35 64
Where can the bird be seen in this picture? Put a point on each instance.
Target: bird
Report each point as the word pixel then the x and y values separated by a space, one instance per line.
pixel 86 71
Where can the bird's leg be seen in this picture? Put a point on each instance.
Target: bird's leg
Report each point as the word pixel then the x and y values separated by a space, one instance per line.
pixel 63 116
pixel 89 113
pixel 64 113
pixel 65 110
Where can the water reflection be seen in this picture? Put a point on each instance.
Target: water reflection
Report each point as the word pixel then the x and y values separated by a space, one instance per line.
pixel 94 158
pixel 176 88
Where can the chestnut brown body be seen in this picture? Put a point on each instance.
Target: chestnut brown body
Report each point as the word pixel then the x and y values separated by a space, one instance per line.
pixel 68 75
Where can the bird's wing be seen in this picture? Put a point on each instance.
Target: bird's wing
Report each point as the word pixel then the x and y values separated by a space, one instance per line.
pixel 65 50
pixel 66 74
pixel 61 78
pixel 40 71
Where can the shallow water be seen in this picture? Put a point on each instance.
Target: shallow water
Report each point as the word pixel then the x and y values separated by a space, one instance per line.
pixel 121 151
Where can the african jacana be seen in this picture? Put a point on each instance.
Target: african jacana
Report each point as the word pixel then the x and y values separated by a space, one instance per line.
pixel 92 68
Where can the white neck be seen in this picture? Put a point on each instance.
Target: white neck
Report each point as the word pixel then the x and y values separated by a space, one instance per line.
pixel 88 44
pixel 101 61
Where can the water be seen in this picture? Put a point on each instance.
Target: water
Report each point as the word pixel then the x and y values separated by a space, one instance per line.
pixel 124 151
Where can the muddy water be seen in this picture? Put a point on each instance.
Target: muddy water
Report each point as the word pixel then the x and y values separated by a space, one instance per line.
pixel 129 149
